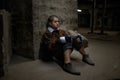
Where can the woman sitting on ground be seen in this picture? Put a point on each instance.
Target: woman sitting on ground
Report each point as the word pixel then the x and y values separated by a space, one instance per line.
pixel 57 43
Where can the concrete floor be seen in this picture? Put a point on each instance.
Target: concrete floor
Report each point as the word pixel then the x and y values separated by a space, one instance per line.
pixel 106 55
pixel 104 52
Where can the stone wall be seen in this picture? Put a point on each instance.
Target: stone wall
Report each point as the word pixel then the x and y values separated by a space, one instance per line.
pixel 28 20
pixel 5 41
pixel 42 9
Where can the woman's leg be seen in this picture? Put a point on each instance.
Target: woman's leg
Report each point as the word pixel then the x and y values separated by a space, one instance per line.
pixel 86 58
pixel 82 51
pixel 67 54
pixel 67 63
pixel 79 47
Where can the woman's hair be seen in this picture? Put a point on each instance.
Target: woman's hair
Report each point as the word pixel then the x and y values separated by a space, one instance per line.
pixel 50 19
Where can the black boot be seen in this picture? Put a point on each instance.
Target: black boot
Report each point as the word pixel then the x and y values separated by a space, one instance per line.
pixel 87 60
pixel 68 68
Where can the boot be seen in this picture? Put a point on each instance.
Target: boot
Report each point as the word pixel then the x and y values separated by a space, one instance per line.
pixel 68 68
pixel 88 60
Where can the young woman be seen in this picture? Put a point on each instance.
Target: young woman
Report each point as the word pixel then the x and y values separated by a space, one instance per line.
pixel 57 43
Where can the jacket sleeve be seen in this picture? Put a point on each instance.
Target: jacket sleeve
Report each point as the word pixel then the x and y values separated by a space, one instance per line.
pixel 48 41
pixel 45 40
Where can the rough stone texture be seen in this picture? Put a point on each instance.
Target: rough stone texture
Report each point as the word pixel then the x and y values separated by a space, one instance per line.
pixel 42 9
pixel 21 26
pixel 5 46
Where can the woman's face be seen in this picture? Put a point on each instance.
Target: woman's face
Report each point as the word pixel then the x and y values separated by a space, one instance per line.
pixel 55 23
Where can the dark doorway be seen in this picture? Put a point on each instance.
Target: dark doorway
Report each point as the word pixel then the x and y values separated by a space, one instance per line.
pixel 84 19
pixel 21 28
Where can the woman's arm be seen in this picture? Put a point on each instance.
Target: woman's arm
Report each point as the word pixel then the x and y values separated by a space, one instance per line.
pixel 49 41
